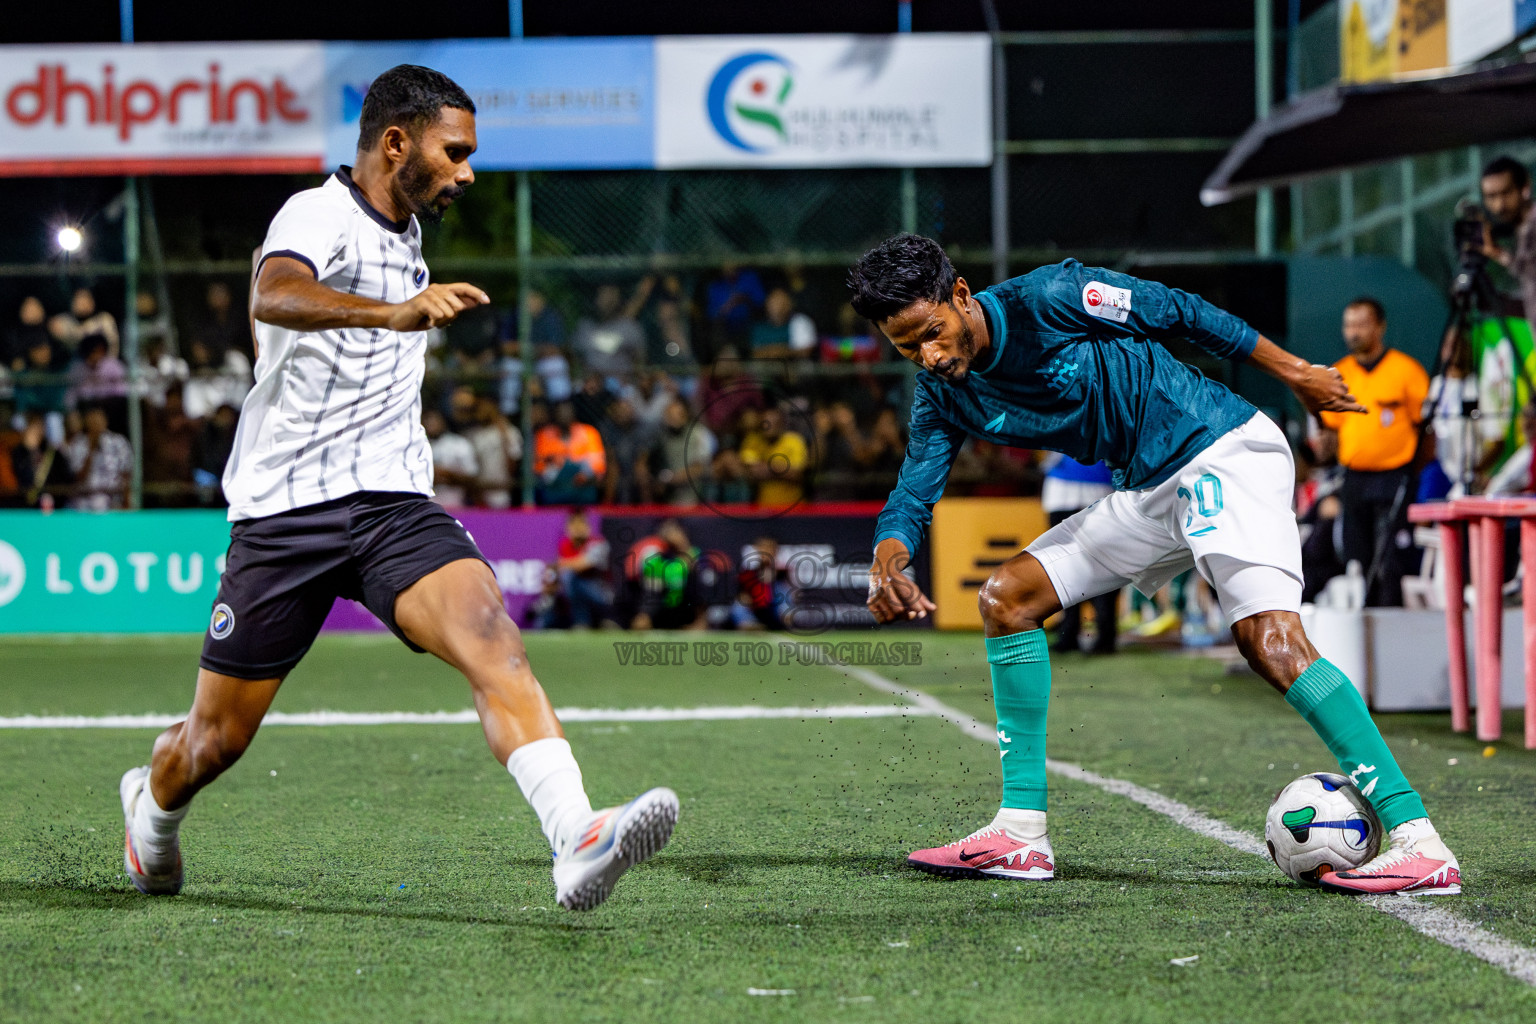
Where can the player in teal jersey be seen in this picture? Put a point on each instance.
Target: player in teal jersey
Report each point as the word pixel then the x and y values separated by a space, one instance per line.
pixel 1067 358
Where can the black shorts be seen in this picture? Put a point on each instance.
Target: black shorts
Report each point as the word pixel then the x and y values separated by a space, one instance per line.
pixel 283 573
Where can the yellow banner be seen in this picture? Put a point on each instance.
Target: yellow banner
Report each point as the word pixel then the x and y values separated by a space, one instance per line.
pixel 1382 38
pixel 970 538
pixel 1421 31
pixel 1368 31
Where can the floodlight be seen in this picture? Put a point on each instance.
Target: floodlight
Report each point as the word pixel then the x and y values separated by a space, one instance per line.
pixel 70 239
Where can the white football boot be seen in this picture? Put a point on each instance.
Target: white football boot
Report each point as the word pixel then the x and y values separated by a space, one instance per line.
pixel 611 842
pixel 152 871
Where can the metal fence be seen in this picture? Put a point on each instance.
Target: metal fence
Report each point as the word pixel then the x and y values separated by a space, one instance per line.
pixel 1086 168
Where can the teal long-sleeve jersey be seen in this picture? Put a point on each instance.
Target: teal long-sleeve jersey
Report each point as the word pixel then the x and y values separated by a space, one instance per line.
pixel 1075 368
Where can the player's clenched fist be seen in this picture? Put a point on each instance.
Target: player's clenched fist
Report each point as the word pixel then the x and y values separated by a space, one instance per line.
pixel 892 595
pixel 436 306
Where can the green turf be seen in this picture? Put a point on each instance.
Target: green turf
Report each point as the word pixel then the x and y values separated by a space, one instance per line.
pixel 1225 744
pixel 394 872
pixel 120 675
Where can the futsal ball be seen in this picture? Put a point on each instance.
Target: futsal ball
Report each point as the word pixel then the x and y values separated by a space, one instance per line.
pixel 1321 823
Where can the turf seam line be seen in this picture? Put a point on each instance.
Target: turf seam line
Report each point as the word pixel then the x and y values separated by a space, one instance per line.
pixel 1429 920
pixel 469 716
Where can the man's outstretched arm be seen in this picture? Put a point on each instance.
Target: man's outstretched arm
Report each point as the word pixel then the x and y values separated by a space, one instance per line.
pixel 1320 388
pixel 287 295
pixel 1118 304
pixel 933 443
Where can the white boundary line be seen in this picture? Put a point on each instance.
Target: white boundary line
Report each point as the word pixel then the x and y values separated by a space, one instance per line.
pixel 1428 919
pixel 469 717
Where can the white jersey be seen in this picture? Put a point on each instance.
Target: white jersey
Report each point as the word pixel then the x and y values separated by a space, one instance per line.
pixel 336 411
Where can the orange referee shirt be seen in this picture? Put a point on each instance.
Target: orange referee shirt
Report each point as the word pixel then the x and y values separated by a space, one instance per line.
pixel 1393 391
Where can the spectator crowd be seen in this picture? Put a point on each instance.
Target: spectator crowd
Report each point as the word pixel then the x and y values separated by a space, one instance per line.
pixel 65 399
pixel 740 387
pixel 667 391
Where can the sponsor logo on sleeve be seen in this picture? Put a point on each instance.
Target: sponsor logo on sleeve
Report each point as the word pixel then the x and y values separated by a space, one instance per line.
pixel 1106 301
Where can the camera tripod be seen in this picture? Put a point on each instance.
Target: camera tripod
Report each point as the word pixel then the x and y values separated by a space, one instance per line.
pixel 1472 293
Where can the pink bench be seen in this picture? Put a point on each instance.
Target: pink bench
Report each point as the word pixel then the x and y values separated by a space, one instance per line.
pixel 1484 520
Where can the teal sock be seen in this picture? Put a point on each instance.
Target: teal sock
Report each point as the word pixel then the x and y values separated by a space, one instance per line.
pixel 1332 706
pixel 1021 690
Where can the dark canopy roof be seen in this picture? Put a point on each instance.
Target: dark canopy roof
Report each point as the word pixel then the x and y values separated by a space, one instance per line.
pixel 1348 125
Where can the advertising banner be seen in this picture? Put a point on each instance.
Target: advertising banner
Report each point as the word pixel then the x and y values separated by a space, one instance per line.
pixel 1382 38
pixel 1366 31
pixel 519 545
pixel 969 539
pixel 823 101
pixel 1421 44
pixel 237 108
pixel 823 557
pixel 540 103
pixel 158 571
pixel 117 572
pixel 1478 27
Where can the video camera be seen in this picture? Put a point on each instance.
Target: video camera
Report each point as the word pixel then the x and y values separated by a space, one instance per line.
pixel 1468 233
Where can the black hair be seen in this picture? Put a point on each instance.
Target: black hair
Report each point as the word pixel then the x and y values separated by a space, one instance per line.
pixel 898 272
pixel 1510 166
pixel 407 96
pixel 92 342
pixel 1371 303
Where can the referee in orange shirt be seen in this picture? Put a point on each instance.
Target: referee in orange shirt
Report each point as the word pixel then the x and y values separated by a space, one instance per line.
pixel 1379 451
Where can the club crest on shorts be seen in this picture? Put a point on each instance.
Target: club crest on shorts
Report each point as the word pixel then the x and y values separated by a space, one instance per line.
pixel 223 622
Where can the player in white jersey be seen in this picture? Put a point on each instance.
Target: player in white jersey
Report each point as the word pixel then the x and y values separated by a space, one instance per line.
pixel 329 489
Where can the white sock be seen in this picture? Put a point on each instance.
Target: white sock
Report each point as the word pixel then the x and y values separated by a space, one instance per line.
pixel 547 773
pixel 154 829
pixel 1414 829
pixel 1027 826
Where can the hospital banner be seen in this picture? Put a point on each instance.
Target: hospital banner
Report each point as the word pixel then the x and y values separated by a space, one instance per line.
pixel 195 108
pixel 823 101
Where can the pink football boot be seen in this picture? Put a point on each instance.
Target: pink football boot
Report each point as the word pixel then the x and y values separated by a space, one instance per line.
pixel 989 853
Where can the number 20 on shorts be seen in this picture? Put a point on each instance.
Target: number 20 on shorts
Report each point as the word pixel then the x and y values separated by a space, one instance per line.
pixel 1206 501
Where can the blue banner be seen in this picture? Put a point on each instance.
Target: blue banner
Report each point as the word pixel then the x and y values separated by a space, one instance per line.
pixel 542 104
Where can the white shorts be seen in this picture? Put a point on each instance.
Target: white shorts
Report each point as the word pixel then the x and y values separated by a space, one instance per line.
pixel 1227 514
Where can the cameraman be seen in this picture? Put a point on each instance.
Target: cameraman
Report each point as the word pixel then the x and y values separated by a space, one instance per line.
pixel 1506 188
